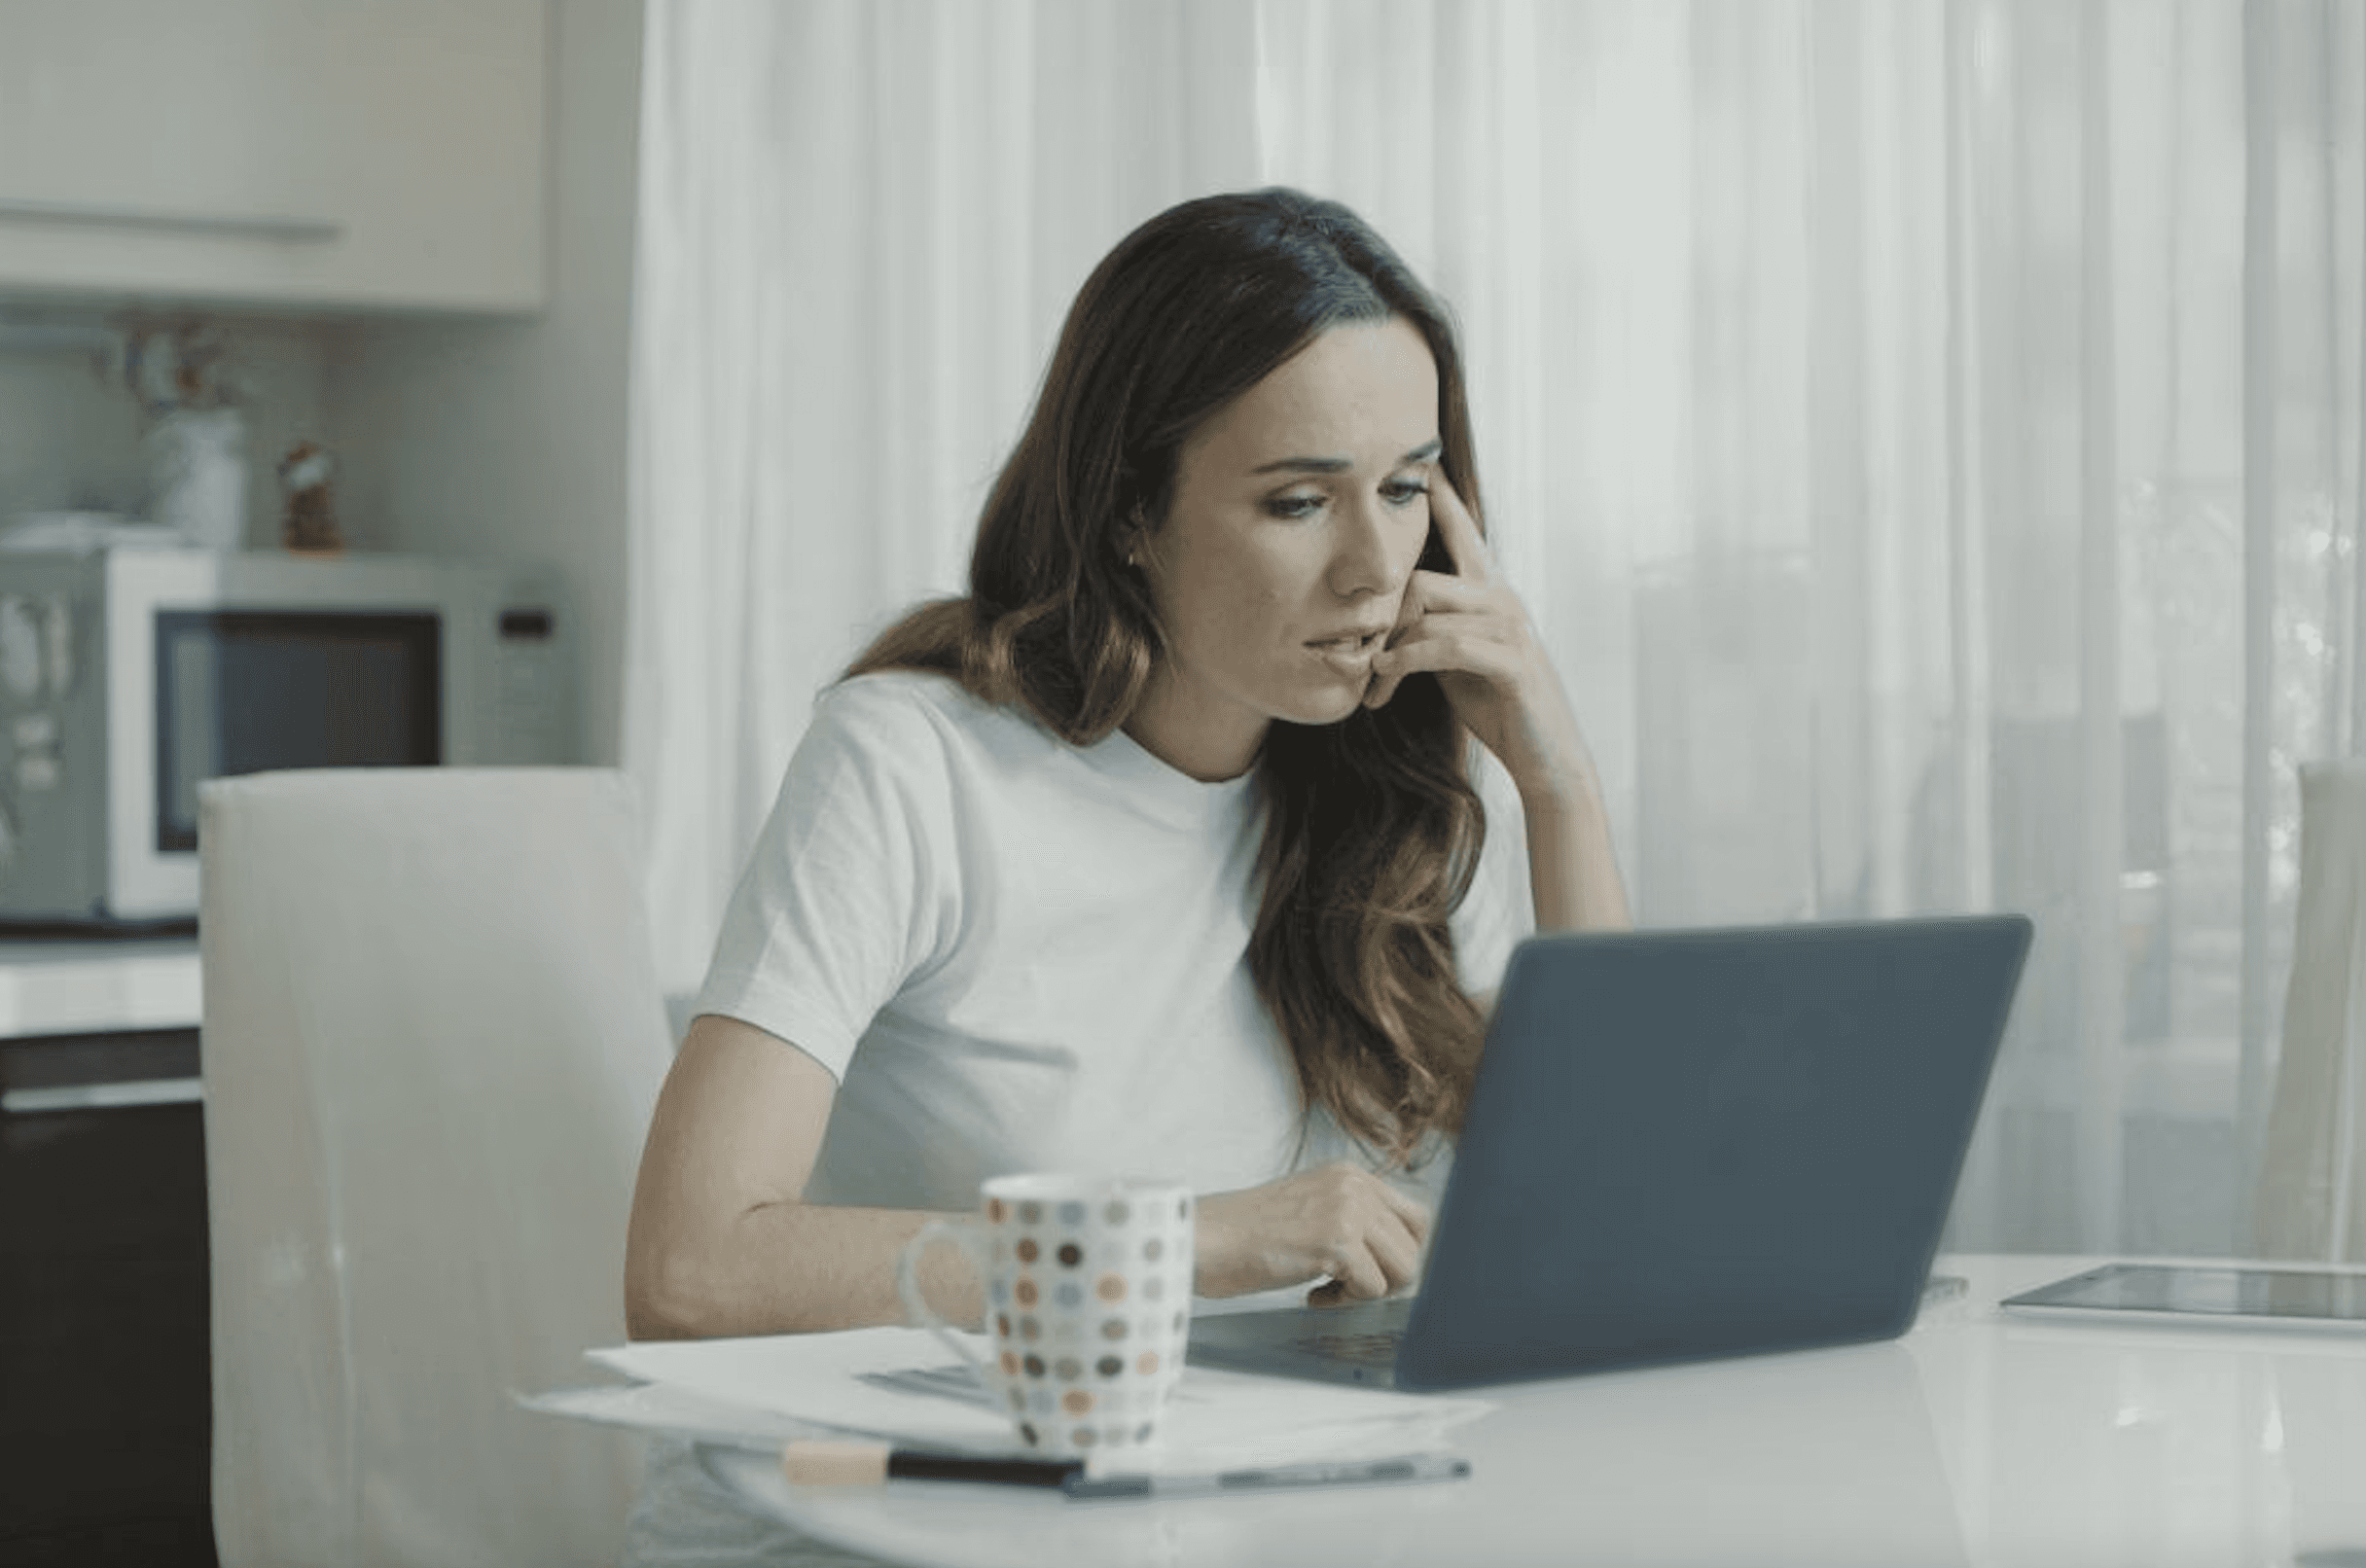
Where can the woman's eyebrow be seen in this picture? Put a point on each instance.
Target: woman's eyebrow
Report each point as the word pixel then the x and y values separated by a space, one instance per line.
pixel 1422 453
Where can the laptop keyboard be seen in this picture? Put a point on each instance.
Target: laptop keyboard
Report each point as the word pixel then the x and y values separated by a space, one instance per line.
pixel 1356 1349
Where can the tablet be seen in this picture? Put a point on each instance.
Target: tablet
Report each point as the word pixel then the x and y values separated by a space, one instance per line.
pixel 2243 1294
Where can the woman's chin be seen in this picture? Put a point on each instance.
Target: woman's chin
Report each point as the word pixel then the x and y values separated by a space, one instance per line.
pixel 1331 708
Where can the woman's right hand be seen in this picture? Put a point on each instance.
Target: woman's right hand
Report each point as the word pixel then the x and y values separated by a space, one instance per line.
pixel 1337 1220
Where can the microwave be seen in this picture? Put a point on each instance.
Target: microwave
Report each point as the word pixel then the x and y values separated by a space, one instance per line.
pixel 129 676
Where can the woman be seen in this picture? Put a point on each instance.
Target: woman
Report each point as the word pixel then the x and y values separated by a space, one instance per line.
pixel 1158 851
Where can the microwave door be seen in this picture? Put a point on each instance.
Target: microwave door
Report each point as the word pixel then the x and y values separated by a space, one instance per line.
pixel 249 691
pixel 245 691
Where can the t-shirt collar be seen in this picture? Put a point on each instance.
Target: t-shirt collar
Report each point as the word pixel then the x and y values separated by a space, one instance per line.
pixel 1162 789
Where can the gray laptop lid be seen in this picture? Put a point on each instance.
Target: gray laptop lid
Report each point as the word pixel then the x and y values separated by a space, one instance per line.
pixel 1690 1144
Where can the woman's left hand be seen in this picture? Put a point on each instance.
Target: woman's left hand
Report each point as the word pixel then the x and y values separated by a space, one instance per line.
pixel 1471 629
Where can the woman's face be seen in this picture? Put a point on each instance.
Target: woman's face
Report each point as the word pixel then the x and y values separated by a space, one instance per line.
pixel 1298 511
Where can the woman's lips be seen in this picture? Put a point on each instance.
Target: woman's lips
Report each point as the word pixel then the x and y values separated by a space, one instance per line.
pixel 1349 651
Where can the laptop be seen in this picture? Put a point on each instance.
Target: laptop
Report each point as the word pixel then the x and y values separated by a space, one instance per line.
pixel 1685 1145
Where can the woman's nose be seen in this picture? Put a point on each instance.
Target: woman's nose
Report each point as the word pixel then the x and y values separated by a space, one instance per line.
pixel 1366 559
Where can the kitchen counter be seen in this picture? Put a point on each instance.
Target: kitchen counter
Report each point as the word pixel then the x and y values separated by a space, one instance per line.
pixel 55 985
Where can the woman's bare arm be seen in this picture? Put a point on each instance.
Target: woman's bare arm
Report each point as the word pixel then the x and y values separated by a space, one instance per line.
pixel 722 1241
pixel 1573 872
pixel 1470 628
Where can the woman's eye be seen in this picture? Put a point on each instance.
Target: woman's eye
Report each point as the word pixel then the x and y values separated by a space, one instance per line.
pixel 1294 506
pixel 1403 492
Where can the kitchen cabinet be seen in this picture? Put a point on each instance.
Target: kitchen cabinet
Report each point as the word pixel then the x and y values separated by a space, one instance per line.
pixel 106 1401
pixel 314 154
pixel 105 1395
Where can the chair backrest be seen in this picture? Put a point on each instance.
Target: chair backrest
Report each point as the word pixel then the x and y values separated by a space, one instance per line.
pixel 2311 1201
pixel 433 1035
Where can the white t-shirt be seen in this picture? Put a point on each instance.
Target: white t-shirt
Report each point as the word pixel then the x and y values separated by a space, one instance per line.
pixel 1017 955
pixel 1014 954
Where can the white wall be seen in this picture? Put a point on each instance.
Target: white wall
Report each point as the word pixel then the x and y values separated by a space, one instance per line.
pixel 508 438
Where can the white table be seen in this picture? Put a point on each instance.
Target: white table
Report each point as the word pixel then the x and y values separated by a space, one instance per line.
pixel 1980 1438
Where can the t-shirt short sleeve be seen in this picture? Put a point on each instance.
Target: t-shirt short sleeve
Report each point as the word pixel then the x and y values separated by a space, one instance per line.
pixel 847 892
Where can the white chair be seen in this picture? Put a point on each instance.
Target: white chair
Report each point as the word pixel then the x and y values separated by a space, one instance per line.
pixel 432 1034
pixel 2311 1197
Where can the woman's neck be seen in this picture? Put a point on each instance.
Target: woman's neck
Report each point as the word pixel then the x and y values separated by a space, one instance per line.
pixel 1203 740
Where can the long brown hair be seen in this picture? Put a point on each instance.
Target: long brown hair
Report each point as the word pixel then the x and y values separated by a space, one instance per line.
pixel 1371 829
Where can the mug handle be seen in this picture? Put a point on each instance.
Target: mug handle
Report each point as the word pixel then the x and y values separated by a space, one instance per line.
pixel 959 1232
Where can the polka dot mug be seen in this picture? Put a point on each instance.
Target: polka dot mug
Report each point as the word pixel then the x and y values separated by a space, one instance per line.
pixel 1087 1303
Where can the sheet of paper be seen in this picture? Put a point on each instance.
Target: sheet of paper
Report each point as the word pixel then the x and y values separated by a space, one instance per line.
pixel 900 1386
pixel 662 1408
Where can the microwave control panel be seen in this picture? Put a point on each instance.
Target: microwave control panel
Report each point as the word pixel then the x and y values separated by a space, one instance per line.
pixel 532 710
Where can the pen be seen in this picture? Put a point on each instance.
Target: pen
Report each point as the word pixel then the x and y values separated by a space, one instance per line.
pixel 831 1462
pixel 1404 1468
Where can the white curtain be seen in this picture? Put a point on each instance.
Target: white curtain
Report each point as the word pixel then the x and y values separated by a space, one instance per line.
pixel 1927 431
pixel 861 224
pixel 2311 1197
